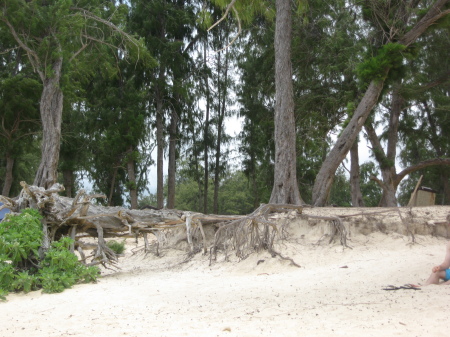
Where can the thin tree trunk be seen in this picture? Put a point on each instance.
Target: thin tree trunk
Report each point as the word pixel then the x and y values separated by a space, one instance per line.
pixel 160 143
pixel 206 139
pixel 112 187
pixel 172 160
pixel 386 161
pixel 197 175
pixel 132 184
pixel 219 134
pixel 68 182
pixel 8 175
pixel 221 110
pixel 387 172
pixel 51 107
pixel 285 188
pixel 355 181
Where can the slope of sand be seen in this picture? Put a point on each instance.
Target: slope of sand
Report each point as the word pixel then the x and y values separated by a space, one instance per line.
pixel 336 292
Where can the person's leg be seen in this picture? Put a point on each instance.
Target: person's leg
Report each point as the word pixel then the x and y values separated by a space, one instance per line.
pixel 446 263
pixel 435 277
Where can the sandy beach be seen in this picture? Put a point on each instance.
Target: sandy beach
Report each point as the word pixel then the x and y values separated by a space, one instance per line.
pixel 336 291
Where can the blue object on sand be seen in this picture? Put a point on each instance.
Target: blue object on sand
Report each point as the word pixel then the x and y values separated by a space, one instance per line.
pixel 3 212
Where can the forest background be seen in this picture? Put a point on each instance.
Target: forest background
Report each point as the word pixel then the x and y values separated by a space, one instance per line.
pixel 137 77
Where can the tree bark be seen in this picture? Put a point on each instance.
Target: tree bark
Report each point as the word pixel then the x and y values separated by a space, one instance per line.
pixel 206 139
pixel 68 182
pixel 172 160
pixel 221 115
pixel 324 178
pixel 8 175
pixel 160 143
pixel 113 186
pixel 357 199
pixel 51 107
pixel 388 198
pixel 132 184
pixel 285 188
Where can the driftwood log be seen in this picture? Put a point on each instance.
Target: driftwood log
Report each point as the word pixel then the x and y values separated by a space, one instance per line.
pixel 80 217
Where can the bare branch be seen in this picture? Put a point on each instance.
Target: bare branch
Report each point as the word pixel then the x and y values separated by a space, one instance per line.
pixel 237 35
pixel 109 24
pixel 231 5
pixel 421 165
pixel 435 13
pixel 83 47
pixel 32 55
pixel 9 49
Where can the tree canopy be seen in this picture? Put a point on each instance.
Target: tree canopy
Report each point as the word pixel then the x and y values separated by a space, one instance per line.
pixel 94 93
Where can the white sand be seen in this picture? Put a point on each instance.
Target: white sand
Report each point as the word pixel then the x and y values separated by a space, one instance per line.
pixel 153 296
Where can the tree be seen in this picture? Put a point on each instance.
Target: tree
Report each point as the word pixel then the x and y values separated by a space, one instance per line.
pixel 378 69
pixel 53 34
pixel 325 49
pixel 117 129
pixel 370 190
pixel 223 82
pixel 166 26
pixel 255 95
pixel 355 181
pixel 19 120
pixel 340 191
pixel 285 189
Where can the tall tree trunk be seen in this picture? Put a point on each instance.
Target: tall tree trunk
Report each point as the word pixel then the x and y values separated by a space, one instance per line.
pixel 219 140
pixel 198 174
pixel 206 138
pixel 160 141
pixel 324 178
pixel 357 198
pixel 221 113
pixel 51 108
pixel 285 188
pixel 113 186
pixel 160 155
pixel 388 185
pixel 68 182
pixel 172 160
pixel 132 184
pixel 8 174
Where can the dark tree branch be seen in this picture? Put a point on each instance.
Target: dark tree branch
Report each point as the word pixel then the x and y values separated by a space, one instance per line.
pixel 421 165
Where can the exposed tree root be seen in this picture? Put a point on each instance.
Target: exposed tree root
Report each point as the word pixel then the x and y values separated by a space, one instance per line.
pixel 251 233
pixel 337 228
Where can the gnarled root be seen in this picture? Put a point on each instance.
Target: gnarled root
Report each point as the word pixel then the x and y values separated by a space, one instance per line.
pixel 251 233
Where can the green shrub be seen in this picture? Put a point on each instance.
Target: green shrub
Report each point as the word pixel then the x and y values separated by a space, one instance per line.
pixel 116 247
pixel 25 282
pixel 21 269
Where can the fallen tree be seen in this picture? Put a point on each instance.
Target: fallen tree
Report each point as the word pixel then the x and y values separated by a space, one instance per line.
pixel 80 217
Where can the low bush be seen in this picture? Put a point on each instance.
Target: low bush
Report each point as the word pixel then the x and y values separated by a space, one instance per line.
pixel 116 247
pixel 24 267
